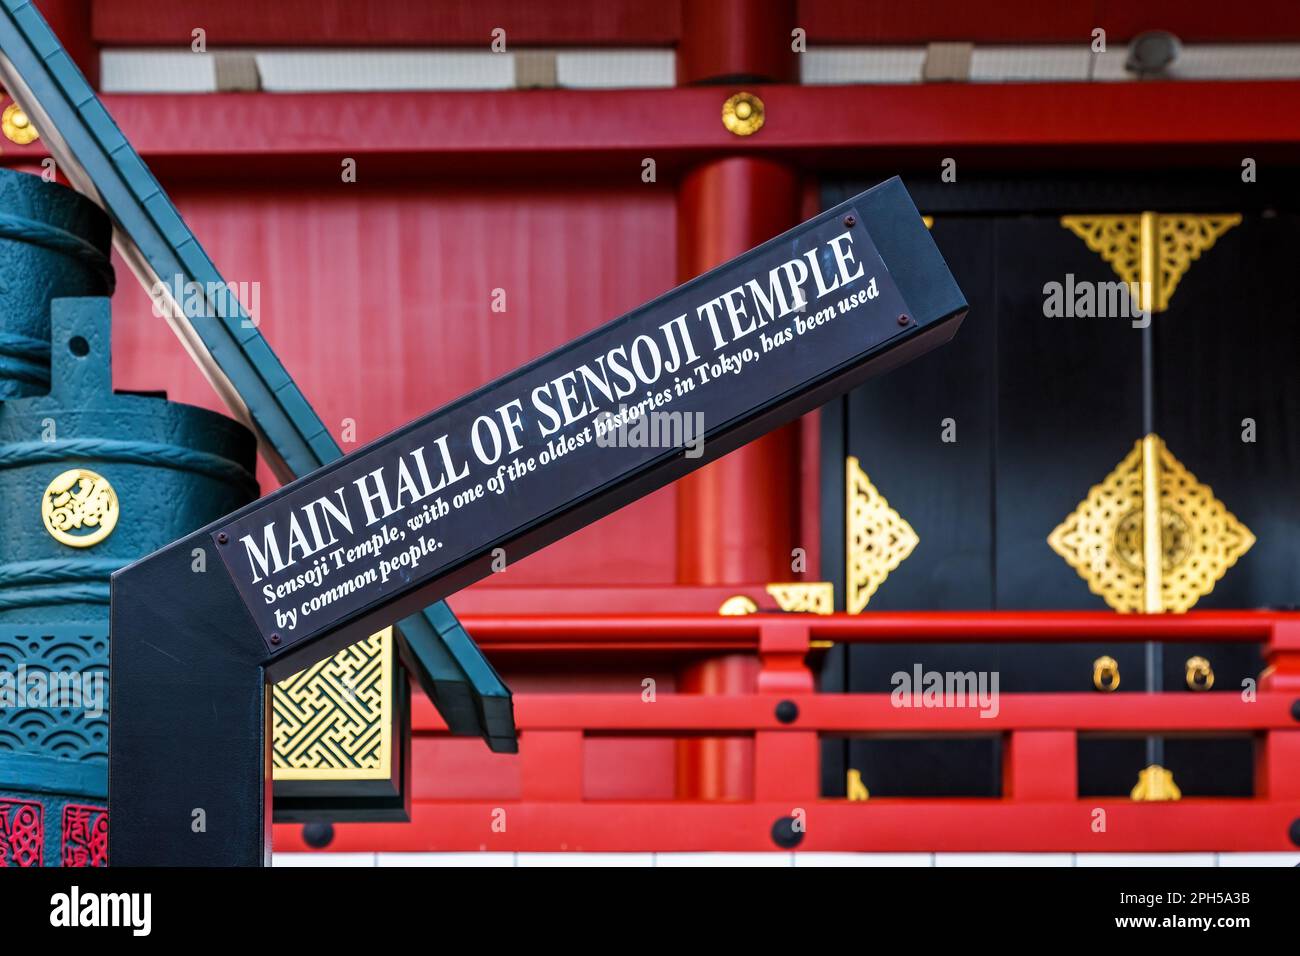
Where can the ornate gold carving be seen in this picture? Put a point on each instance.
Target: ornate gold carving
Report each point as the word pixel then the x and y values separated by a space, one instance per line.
pixel 742 114
pixel 737 606
pixel 1200 675
pixel 799 598
pixel 1105 674
pixel 18 126
pixel 1153 249
pixel 878 538
pixel 857 790
pixel 1110 539
pixel 333 721
pixel 1155 783
pixel 79 500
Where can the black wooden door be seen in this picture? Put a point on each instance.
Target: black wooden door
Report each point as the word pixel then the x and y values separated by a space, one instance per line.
pixel 1044 407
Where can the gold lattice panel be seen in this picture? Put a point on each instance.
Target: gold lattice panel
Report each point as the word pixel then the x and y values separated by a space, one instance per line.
pixel 878 538
pixel 333 721
pixel 1103 538
pixel 1180 240
pixel 804 598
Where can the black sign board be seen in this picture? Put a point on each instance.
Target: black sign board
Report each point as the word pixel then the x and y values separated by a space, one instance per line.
pixel 494 476
pixel 658 384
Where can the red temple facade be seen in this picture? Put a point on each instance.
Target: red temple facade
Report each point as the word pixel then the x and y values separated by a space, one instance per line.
pixel 669 698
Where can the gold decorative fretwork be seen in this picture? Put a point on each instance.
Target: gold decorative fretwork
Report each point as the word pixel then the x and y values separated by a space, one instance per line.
pixel 737 606
pixel 799 598
pixel 334 721
pixel 1155 783
pixel 79 508
pixel 1151 513
pixel 857 790
pixel 1151 249
pixel 878 538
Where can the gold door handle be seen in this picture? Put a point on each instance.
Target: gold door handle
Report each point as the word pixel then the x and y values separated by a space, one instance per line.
pixel 1105 674
pixel 1200 675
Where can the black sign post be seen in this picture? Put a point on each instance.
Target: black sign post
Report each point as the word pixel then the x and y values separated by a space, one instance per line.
pixel 434 506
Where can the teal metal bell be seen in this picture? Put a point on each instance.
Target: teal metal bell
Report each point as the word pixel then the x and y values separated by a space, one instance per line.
pixel 90 480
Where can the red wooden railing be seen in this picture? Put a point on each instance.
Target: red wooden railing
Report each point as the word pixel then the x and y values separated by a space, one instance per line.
pixel 1039 809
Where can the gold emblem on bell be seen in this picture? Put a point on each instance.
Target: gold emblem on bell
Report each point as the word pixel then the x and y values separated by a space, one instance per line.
pixel 79 508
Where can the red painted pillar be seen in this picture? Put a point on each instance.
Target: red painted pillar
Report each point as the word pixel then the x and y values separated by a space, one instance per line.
pixel 736 41
pixel 737 519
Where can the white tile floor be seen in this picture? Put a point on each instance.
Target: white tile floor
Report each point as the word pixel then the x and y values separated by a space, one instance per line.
pixel 787 859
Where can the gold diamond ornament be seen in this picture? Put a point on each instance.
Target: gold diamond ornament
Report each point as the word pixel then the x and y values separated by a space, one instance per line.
pixel 1105 538
pixel 878 538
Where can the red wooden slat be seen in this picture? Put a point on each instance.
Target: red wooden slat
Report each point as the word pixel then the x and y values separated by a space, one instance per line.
pixel 845 714
pixel 641 629
pixel 877 825
pixel 1040 765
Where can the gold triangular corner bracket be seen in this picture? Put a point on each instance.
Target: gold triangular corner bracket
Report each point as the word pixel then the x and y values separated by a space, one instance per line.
pixel 1181 239
pixel 1155 784
pixel 1102 539
pixel 877 538
pixel 929 221
pixel 800 598
pixel 857 790
pixel 1117 239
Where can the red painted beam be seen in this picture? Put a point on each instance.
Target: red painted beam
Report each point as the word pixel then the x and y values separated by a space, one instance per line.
pixel 608 133
pixel 658 22
pixel 862 714
pixel 388 23
pixel 1033 21
pixel 877 825
pixel 647 630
